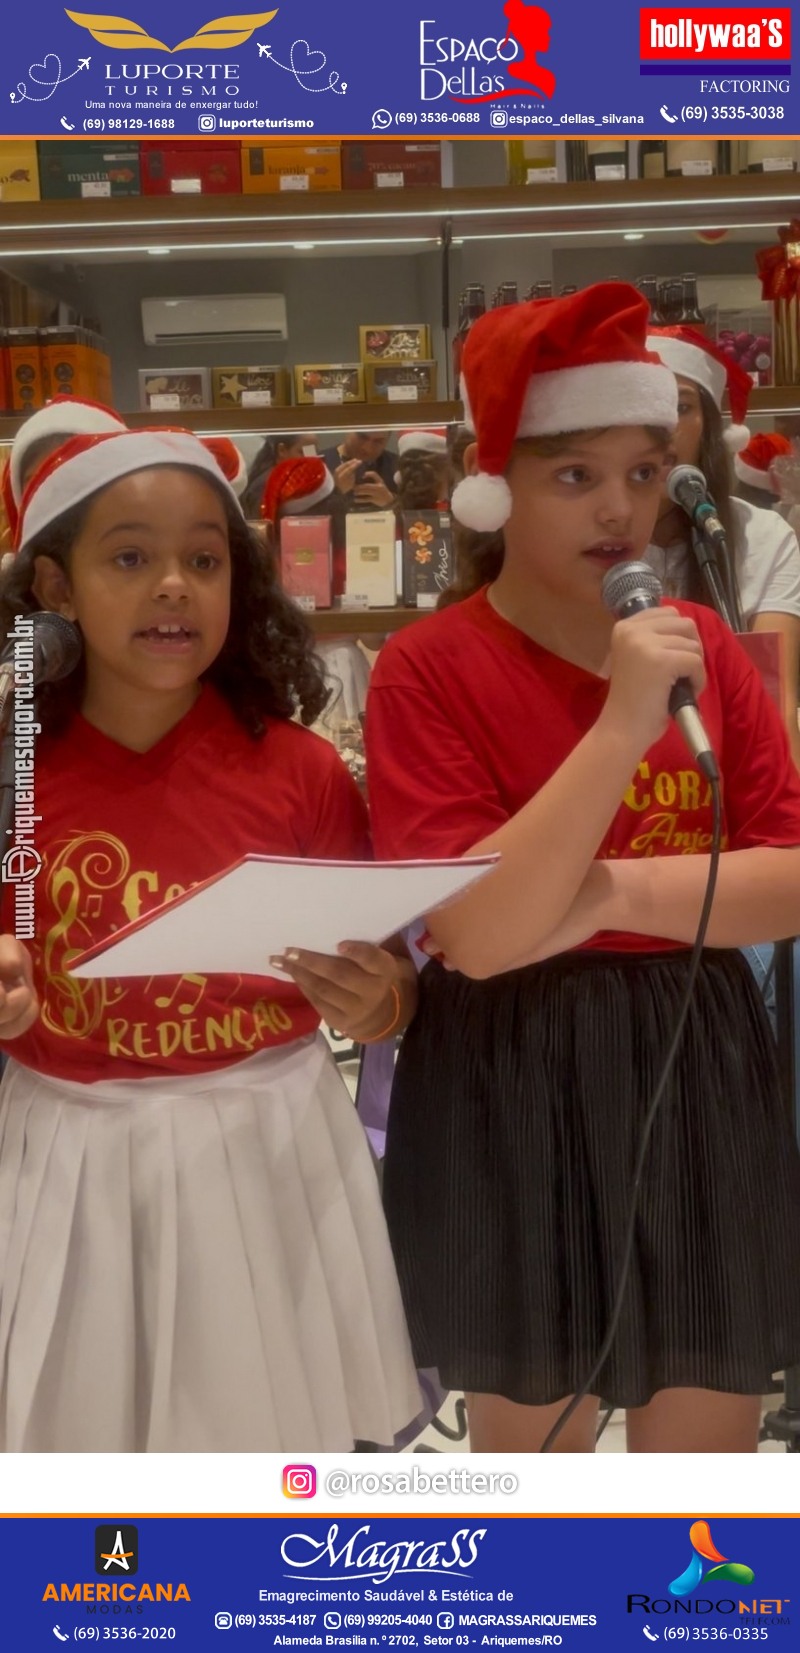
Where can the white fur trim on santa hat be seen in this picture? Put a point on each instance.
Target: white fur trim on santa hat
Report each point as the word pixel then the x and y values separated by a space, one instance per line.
pixel 106 462
pixel 736 438
pixel 65 418
pixel 306 502
pixel 421 441
pixel 595 395
pixel 691 362
pixel 482 502
pixel 753 476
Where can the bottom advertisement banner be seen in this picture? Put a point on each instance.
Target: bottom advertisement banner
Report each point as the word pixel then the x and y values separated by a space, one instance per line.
pixel 599 1583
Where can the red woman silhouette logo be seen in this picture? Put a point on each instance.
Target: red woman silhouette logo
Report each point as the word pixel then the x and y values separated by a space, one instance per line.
pixel 530 27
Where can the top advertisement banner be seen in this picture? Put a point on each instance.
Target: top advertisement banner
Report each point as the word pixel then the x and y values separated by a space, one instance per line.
pixel 445 68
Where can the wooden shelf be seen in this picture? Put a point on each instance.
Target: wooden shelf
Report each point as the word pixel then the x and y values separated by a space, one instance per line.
pixel 363 622
pixel 81 227
pixel 268 421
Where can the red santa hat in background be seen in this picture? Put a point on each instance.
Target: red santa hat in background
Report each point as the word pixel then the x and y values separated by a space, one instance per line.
pixel 693 357
pixel 552 366
pixel 754 463
pixel 230 459
pixel 431 442
pixel 64 416
pixel 85 464
pixel 295 486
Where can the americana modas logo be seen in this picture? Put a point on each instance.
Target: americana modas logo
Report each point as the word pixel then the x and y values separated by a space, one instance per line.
pixel 116 1550
pixel 221 33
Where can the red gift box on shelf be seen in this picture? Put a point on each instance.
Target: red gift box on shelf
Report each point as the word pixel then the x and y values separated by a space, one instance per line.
pixel 191 168
pixel 779 270
pixel 391 165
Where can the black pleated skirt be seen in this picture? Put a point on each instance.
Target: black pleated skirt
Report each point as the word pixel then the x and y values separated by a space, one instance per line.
pixel 516 1117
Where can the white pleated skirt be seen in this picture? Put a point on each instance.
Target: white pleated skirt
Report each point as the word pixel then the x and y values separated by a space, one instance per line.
pixel 196 1265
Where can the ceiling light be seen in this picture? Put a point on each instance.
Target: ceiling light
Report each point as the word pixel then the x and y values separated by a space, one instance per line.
pixel 159 252
pixel 633 235
pixel 304 246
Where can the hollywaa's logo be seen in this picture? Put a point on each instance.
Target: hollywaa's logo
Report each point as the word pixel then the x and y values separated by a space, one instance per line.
pixel 221 33
pixel 527 38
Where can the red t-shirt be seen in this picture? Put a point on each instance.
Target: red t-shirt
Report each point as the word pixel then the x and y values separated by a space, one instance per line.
pixel 468 718
pixel 123 831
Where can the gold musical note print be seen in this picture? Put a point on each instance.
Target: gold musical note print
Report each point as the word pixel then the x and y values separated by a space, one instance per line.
pixel 91 889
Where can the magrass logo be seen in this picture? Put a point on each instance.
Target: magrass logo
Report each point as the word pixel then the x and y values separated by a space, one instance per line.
pixel 703 1550
pixel 222 33
pixel 116 1550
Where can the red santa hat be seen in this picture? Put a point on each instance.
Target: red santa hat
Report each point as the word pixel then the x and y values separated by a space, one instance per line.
pixel 551 366
pixel 753 464
pixel 294 486
pixel 65 416
pixel 230 459
pixel 86 464
pixel 432 442
pixel 693 357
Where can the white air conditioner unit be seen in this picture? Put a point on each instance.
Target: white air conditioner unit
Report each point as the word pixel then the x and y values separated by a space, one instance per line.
pixel 254 318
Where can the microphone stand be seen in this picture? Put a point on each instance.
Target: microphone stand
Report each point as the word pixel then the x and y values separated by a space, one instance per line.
pixel 709 567
pixel 784 1424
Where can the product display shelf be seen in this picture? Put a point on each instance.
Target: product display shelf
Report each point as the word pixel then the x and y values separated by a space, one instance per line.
pixel 363 622
pixel 274 421
pixel 357 219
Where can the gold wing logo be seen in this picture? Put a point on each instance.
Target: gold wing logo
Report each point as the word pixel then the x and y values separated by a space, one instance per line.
pixel 222 32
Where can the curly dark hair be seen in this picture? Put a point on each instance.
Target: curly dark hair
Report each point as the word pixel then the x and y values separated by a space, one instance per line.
pixel 423 481
pixel 267 667
pixel 479 557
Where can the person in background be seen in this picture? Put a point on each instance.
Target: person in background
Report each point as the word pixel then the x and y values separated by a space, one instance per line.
pixel 193 1254
pixel 762 569
pixel 270 454
pixel 527 723
pixel 422 477
pixel 755 479
pixel 363 470
pixel 41 434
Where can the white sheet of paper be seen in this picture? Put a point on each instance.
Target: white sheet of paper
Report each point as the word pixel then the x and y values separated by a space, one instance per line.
pixel 235 923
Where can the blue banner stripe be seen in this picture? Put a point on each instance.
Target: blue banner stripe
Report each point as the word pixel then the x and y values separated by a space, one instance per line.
pixel 715 69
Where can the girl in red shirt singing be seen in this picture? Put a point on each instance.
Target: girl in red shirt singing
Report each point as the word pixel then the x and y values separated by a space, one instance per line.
pixel 523 720
pixel 192 1251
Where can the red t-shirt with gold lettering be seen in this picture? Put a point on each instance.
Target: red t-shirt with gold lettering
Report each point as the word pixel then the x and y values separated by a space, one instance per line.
pixel 468 718
pixel 120 833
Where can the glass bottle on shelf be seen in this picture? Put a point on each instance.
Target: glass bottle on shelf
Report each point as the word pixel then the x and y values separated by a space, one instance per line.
pixel 607 158
pixel 648 287
pixel 544 289
pixel 507 293
pixel 653 158
pixel 691 315
pixel 471 307
pixel 564 292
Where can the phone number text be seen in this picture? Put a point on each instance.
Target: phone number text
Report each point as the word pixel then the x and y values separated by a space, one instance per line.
pixel 133 124
pixel 732 112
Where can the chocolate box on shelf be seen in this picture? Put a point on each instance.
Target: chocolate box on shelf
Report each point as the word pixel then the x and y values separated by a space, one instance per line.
pixel 277 169
pixel 428 564
pixel 326 383
pixel 88 171
pixel 401 382
pixel 395 342
pixel 174 389
pixel 19 170
pixel 250 387
pixel 191 168
pixel 371 557
pixel 387 164
pixel 306 559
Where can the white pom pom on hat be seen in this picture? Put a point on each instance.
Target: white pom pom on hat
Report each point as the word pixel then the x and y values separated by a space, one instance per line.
pixel 691 356
pixel 549 367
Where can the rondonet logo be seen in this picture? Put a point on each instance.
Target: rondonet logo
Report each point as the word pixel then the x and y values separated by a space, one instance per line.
pixel 711 34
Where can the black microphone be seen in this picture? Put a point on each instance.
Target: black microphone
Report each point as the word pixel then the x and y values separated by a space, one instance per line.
pixel 687 487
pixel 52 645
pixel 628 588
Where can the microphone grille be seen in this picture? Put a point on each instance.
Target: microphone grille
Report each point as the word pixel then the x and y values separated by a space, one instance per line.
pixel 60 642
pixel 630 579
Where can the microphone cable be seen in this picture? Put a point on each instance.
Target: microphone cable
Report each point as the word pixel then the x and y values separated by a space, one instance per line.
pixel 647 1128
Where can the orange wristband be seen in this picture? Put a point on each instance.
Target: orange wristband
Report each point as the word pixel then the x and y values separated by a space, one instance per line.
pixel 375 1038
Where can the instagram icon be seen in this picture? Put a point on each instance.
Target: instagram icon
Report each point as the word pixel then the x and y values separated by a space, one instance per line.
pixel 299 1481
